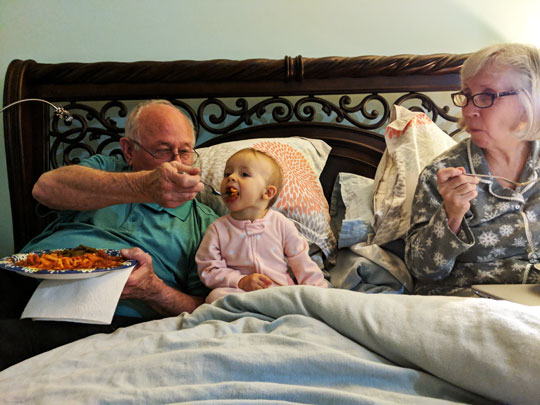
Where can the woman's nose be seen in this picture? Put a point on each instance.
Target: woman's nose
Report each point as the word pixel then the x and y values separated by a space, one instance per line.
pixel 470 110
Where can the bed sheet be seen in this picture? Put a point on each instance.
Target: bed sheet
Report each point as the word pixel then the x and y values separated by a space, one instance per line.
pixel 300 344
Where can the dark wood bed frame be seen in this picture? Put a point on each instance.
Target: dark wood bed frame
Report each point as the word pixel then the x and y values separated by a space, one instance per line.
pixel 341 100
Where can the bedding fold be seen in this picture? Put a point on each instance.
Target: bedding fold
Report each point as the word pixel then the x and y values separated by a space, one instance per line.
pixel 301 344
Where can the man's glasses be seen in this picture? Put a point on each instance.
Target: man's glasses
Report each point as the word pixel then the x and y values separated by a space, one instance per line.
pixel 480 100
pixel 188 156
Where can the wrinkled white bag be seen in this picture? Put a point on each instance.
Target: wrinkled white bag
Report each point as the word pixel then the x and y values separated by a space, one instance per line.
pixel 412 141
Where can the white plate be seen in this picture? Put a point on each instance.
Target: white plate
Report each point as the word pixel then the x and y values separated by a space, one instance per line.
pixel 7 264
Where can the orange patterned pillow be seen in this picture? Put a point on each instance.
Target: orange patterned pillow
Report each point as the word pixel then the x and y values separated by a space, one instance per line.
pixel 301 199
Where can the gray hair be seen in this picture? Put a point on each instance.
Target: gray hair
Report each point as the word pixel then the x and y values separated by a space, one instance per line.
pixel 524 61
pixel 132 121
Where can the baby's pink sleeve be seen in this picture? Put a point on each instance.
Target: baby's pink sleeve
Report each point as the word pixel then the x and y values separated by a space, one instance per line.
pixel 211 266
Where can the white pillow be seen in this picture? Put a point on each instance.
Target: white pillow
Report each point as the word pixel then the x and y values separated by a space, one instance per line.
pixel 412 141
pixel 301 199
pixel 351 209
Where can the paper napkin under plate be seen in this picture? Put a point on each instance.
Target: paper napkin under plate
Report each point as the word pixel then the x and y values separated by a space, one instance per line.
pixel 90 300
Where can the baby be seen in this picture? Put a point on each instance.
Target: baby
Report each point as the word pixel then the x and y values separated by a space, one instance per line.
pixel 249 248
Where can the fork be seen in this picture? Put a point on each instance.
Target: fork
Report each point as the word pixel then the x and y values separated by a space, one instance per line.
pixel 212 189
pixel 516 183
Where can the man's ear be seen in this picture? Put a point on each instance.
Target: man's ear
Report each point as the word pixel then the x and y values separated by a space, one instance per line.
pixel 269 192
pixel 127 149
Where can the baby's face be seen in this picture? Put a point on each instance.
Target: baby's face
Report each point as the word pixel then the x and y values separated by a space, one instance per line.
pixel 244 183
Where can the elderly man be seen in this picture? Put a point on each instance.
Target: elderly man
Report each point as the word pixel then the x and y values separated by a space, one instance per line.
pixel 144 204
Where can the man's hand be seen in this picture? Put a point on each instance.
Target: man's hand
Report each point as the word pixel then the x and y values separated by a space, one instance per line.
pixel 143 284
pixel 171 184
pixel 254 282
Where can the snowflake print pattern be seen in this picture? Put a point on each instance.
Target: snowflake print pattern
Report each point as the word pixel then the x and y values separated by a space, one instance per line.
pixel 534 278
pixel 516 267
pixel 439 259
pixel 426 175
pixel 503 206
pixel 492 243
pixel 506 230
pixel 488 238
pixel 476 160
pixel 485 275
pixel 439 165
pixel 417 250
pixel 438 230
pixel 498 252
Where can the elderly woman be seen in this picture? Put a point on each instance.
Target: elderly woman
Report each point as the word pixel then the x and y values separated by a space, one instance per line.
pixel 476 212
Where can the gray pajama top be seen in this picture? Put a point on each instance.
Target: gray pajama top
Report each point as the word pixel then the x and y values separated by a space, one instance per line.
pixel 499 239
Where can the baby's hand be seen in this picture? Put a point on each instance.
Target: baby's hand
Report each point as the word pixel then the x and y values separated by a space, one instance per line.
pixel 254 282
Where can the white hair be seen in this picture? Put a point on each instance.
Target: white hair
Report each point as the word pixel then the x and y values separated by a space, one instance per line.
pixel 132 121
pixel 523 61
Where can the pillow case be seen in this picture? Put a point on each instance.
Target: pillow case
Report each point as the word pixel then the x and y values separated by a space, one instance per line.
pixel 301 198
pixel 351 209
pixel 412 141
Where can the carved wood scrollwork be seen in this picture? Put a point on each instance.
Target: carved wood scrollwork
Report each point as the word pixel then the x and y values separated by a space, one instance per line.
pixel 96 130
pixel 90 132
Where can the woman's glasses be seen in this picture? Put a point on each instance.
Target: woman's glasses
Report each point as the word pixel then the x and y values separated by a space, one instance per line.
pixel 188 156
pixel 480 100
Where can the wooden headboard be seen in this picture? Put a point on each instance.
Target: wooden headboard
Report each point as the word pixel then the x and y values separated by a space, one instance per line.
pixel 345 101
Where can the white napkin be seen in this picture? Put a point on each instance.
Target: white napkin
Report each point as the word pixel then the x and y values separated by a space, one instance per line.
pixel 89 300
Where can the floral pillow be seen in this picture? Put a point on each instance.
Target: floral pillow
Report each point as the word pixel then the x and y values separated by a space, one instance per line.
pixel 301 199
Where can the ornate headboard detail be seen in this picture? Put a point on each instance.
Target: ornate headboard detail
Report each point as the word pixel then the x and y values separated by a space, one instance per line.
pixel 345 101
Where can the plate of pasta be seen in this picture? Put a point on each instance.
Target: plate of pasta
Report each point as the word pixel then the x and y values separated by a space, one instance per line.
pixel 72 263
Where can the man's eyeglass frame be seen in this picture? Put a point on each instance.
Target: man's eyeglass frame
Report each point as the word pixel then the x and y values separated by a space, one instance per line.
pixel 472 98
pixel 181 153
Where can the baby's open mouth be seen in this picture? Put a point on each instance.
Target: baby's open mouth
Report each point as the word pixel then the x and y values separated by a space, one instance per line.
pixel 231 191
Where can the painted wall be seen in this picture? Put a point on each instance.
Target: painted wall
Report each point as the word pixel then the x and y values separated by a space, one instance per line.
pixel 51 31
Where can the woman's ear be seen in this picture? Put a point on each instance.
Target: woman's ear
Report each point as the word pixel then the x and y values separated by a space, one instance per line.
pixel 127 149
pixel 269 192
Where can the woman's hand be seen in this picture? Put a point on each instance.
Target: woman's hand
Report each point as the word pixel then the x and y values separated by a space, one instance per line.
pixel 254 282
pixel 456 191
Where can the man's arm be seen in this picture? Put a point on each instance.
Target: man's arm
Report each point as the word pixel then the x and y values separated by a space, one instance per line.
pixel 82 188
pixel 144 285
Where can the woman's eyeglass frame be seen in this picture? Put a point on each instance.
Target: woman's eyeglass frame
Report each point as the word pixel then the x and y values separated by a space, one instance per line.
pixel 456 97
pixel 190 155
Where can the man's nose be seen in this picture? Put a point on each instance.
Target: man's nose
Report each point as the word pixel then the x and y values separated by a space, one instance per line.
pixel 175 157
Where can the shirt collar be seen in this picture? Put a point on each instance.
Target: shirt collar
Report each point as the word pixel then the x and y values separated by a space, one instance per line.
pixel 181 212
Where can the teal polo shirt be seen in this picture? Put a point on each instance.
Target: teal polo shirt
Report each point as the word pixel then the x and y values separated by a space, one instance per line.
pixel 170 235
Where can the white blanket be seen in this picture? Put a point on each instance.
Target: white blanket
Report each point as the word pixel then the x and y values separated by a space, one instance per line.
pixel 300 344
